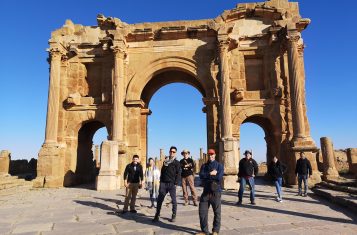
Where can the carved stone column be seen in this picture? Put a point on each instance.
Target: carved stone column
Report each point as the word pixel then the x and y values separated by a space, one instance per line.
pixel 53 97
pixel 50 166
pixel 328 155
pixel 296 87
pixel 118 92
pixel 228 149
pixel 226 122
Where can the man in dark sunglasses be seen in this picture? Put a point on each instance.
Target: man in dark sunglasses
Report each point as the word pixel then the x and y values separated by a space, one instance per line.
pixel 170 173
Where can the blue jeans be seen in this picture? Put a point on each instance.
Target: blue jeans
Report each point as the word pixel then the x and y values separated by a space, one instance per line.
pixel 243 181
pixel 278 184
pixel 300 179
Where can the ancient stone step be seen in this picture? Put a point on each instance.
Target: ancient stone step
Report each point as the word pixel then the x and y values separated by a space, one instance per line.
pixel 341 198
pixel 8 181
pixel 336 187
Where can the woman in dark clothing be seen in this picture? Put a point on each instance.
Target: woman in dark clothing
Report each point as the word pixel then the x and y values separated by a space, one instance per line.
pixel 276 169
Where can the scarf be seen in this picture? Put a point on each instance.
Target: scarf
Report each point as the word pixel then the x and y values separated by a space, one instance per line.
pixel 168 161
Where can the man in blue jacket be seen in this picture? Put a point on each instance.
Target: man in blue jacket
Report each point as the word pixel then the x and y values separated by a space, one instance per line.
pixel 211 175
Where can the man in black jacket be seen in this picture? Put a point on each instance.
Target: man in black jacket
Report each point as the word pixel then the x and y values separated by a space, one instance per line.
pixel 187 166
pixel 276 169
pixel 248 169
pixel 133 180
pixel 303 171
pixel 170 173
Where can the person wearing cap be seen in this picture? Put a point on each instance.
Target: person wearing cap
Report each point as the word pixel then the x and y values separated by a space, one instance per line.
pixel 170 173
pixel 248 169
pixel 211 175
pixel 187 166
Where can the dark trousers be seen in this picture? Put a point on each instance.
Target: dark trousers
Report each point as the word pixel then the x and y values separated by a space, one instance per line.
pixel 207 200
pixel 243 181
pixel 163 190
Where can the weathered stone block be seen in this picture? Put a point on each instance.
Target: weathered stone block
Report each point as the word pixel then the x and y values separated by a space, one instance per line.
pixel 5 158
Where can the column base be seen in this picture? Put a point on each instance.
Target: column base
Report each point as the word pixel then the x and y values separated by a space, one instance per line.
pixel 229 155
pixel 107 182
pixel 50 167
pixel 230 182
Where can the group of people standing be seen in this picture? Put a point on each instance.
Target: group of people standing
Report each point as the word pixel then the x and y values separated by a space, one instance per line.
pixel 159 183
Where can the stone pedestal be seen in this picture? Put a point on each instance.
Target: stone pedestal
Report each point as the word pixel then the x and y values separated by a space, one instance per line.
pixel 4 162
pixel 229 157
pixel 50 167
pixel 230 182
pixel 310 153
pixel 329 168
pixel 352 160
pixel 107 178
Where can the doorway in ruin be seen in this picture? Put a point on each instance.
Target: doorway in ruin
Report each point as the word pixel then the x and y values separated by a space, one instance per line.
pixel 258 134
pixel 178 118
pixel 90 134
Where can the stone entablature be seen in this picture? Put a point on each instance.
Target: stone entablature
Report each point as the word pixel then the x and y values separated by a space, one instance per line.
pixel 247 63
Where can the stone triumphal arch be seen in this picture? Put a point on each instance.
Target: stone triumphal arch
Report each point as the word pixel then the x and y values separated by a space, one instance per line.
pixel 247 63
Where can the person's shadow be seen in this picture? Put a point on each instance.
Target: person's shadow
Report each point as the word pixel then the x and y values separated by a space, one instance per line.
pixel 138 217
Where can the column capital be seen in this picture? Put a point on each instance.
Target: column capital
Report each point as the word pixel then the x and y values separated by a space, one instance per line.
pixel 119 51
pixel 55 52
pixel 293 36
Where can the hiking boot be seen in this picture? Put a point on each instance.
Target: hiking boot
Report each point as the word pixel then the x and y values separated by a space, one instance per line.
pixel 195 204
pixel 156 219
pixel 239 203
pixel 253 203
pixel 173 218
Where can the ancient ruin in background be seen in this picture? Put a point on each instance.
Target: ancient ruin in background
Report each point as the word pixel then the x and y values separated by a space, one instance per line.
pixel 248 64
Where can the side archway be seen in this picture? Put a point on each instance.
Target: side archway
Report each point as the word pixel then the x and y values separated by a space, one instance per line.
pixel 271 128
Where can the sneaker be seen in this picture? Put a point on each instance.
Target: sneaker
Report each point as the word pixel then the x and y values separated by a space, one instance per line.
pixel 277 199
pixel 239 203
pixel 253 203
pixel 215 233
pixel 185 204
pixel 304 195
pixel 156 219
pixel 173 218
pixel 195 204
pixel 299 194
pixel 133 211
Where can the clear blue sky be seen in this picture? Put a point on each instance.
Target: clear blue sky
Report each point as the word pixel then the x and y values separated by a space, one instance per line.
pixel 330 61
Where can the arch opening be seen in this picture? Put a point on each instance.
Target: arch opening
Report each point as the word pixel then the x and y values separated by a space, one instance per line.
pixel 177 120
pixel 269 134
pixel 90 134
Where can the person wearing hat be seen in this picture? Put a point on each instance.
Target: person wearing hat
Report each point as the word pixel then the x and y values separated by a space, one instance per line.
pixel 211 175
pixel 248 169
pixel 187 166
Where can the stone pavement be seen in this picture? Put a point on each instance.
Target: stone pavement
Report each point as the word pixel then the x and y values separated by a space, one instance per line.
pixel 85 211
